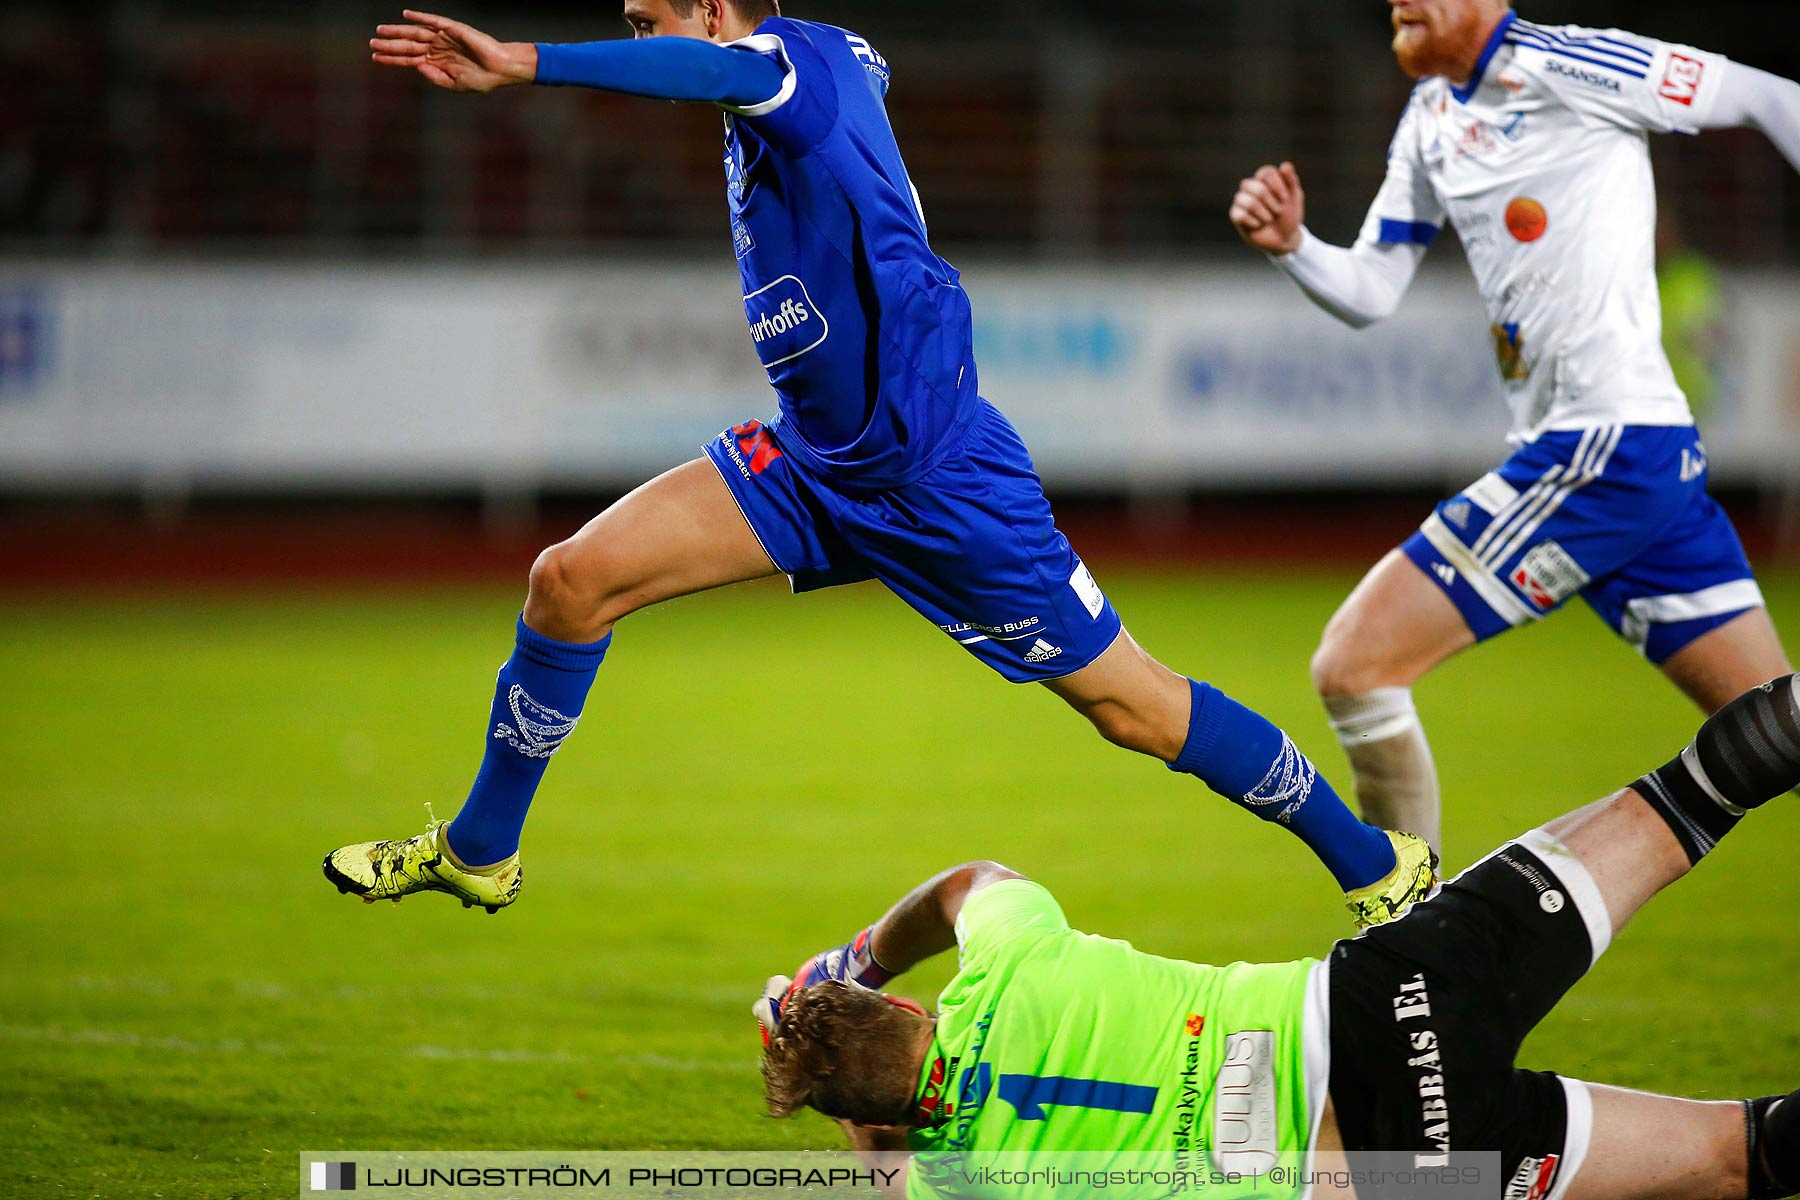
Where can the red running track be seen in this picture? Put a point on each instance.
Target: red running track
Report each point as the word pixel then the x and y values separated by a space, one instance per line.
pixel 59 547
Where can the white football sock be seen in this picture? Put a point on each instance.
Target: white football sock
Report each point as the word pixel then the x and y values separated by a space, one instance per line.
pixel 1396 780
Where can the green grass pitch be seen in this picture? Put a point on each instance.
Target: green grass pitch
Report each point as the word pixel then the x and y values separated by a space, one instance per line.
pixel 188 1004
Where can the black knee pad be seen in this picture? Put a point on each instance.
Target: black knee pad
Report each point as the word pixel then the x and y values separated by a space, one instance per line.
pixel 1772 1136
pixel 1750 749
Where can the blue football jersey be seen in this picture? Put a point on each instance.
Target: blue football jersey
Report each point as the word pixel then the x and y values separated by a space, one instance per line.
pixel 865 332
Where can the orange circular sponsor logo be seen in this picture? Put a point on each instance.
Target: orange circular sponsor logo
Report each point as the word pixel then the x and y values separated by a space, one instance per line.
pixel 1526 219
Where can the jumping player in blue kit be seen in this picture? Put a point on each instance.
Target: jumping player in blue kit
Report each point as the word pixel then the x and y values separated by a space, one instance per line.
pixel 884 461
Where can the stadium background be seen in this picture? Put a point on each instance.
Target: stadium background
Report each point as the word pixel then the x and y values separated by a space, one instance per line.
pixel 301 361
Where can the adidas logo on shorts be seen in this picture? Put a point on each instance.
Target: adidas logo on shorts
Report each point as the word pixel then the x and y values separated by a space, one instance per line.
pixel 1042 651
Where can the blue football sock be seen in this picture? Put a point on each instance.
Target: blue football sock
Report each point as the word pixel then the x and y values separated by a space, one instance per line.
pixel 1250 762
pixel 537 701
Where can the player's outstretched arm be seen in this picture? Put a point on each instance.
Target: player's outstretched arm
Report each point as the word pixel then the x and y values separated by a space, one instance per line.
pixel 452 55
pixel 664 68
pixel 918 927
pixel 1359 285
pixel 1758 100
pixel 461 58
pixel 924 924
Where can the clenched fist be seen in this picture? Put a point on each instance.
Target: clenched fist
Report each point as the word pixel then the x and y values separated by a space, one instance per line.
pixel 1270 208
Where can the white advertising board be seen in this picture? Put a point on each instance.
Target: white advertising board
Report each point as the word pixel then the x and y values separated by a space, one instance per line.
pixel 600 374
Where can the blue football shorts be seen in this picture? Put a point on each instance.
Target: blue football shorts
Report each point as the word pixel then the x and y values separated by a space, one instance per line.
pixel 1618 514
pixel 970 545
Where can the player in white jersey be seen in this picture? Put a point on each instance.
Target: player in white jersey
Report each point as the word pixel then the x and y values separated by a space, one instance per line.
pixel 1532 141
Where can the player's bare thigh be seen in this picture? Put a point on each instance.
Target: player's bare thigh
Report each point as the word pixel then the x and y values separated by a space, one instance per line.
pixel 1391 630
pixel 680 533
pixel 1724 663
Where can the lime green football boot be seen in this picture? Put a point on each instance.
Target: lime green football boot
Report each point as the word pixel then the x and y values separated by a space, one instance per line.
pixel 390 870
pixel 1414 878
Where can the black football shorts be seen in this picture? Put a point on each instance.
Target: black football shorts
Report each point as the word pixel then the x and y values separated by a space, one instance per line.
pixel 1428 1013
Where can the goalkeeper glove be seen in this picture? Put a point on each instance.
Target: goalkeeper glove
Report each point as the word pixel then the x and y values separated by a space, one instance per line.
pixel 768 1005
pixel 854 962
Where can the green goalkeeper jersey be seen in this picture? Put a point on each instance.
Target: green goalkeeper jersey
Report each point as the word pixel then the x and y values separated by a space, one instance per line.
pixel 1060 1051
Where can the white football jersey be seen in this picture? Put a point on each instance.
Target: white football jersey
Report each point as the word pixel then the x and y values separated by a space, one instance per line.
pixel 1542 164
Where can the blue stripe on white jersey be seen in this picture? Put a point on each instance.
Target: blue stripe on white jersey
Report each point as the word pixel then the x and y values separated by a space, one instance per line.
pixel 1589 44
pixel 1625 67
pixel 1600 41
pixel 1417 233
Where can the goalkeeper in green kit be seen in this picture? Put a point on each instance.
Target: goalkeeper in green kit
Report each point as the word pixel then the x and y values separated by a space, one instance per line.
pixel 1051 1041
